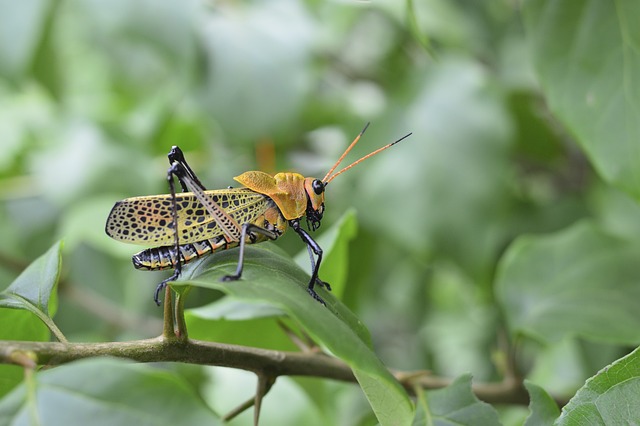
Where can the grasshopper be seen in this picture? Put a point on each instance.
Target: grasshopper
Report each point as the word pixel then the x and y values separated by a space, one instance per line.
pixel 180 227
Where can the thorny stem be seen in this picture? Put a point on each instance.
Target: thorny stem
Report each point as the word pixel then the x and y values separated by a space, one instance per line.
pixel 259 361
pixel 264 385
pixel 265 382
pixel 239 409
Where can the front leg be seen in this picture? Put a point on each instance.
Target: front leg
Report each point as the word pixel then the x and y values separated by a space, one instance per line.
pixel 313 266
pixel 311 246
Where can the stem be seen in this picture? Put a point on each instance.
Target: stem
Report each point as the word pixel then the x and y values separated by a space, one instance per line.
pixel 258 361
pixel 181 324
pixel 264 385
pixel 32 403
pixel 168 331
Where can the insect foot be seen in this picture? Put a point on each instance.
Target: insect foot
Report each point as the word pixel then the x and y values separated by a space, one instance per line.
pixel 230 278
pixel 323 284
pixel 315 296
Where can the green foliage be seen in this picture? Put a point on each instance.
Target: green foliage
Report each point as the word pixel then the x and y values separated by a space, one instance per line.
pixel 586 57
pixel 503 234
pixel 456 404
pixel 129 394
pixel 608 398
pixel 273 278
pixel 33 289
pixel 544 410
pixel 597 278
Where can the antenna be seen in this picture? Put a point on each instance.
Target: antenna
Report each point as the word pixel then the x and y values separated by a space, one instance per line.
pixel 328 179
pixel 344 154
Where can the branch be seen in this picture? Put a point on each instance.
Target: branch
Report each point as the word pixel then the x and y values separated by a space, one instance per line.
pixel 259 361
pixel 262 362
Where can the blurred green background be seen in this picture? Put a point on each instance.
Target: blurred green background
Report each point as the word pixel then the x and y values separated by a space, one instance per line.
pixel 93 94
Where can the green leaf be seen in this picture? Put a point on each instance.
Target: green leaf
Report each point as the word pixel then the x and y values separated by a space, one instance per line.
pixel 270 43
pixel 107 392
pixel 335 244
pixel 544 410
pixel 20 33
pixel 611 397
pixel 24 326
pixel 419 195
pixel 33 289
pixel 270 276
pixel 10 377
pixel 155 40
pixel 45 66
pixel 456 404
pixel 234 310
pixel 239 322
pixel 587 60
pixel 579 281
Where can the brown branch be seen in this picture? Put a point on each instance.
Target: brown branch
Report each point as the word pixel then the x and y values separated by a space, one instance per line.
pixel 259 361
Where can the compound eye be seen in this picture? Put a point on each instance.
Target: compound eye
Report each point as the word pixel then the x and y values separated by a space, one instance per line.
pixel 318 186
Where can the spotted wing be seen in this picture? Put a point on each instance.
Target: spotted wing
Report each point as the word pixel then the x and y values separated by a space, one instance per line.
pixel 148 220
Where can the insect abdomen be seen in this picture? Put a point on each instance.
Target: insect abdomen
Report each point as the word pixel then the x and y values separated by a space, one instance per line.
pixel 159 258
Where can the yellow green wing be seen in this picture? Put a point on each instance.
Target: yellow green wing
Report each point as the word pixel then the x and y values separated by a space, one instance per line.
pixel 148 220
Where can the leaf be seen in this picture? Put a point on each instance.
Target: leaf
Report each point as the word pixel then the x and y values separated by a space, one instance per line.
pixel 20 33
pixel 234 310
pixel 270 43
pixel 544 410
pixel 107 392
pixel 24 326
pixel 154 39
pixel 418 195
pixel 335 245
pixel 270 276
pixel 33 288
pixel 10 377
pixel 261 333
pixel 579 281
pixel 456 404
pixel 611 397
pixel 586 57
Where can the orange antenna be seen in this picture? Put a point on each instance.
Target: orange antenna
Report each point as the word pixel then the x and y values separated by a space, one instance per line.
pixel 344 154
pixel 328 179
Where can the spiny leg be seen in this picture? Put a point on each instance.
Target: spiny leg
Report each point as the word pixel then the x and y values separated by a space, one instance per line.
pixel 189 182
pixel 313 246
pixel 247 229
pixel 173 170
pixel 180 169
